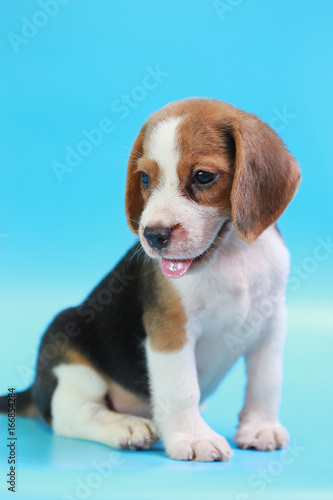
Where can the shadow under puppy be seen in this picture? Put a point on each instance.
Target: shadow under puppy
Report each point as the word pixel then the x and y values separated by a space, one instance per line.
pixel 205 185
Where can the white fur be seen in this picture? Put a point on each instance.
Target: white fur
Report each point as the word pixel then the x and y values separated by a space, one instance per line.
pixel 185 434
pixel 235 307
pixel 233 300
pixel 79 410
pixel 163 148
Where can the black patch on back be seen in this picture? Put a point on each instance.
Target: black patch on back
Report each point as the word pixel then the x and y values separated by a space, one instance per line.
pixel 111 332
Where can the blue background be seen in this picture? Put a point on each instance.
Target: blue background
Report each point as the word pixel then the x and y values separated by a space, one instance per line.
pixel 58 238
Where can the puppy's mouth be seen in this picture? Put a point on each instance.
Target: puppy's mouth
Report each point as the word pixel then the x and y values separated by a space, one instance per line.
pixel 176 268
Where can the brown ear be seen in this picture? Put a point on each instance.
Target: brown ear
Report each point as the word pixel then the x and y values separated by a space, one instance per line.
pixel 265 180
pixel 133 197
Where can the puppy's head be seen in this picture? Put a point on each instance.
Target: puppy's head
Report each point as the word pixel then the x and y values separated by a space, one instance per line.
pixel 196 166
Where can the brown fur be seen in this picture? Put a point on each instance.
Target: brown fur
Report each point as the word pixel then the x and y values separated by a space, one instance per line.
pixel 151 168
pixel 204 147
pixel 256 181
pixel 266 178
pixel 164 317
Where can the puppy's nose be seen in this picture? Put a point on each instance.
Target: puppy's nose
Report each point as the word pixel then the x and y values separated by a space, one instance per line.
pixel 157 237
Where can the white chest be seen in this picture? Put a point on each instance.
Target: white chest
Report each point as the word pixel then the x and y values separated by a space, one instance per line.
pixel 224 308
pixel 218 324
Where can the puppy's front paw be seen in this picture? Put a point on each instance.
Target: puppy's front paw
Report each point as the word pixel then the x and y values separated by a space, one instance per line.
pixel 263 436
pixel 200 448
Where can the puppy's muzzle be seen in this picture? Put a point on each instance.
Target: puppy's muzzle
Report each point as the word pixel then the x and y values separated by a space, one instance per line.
pixel 157 237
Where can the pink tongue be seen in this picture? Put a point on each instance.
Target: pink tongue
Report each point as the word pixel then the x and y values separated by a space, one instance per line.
pixel 175 268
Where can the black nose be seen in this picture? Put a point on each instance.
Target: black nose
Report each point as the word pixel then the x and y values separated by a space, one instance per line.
pixel 157 237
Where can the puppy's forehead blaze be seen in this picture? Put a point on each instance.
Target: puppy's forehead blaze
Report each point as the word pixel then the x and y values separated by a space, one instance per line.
pixel 178 144
pixel 162 147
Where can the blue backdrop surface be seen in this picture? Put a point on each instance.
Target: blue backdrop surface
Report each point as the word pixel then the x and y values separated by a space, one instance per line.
pixel 78 80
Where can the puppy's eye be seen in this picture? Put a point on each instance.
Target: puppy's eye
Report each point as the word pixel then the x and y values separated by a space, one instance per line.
pixel 202 177
pixel 145 180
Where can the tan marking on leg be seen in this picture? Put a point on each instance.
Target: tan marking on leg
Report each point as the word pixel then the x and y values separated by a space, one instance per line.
pixel 164 319
pixel 75 357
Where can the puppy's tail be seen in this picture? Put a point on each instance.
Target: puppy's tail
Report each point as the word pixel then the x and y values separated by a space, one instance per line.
pixel 22 403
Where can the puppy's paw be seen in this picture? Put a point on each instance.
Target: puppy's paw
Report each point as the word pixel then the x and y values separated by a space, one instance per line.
pixel 264 436
pixel 134 433
pixel 200 448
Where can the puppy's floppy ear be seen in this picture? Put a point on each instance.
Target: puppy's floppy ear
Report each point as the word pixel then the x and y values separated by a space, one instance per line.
pixel 265 180
pixel 133 197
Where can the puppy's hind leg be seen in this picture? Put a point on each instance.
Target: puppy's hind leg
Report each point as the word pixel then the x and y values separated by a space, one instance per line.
pixel 79 410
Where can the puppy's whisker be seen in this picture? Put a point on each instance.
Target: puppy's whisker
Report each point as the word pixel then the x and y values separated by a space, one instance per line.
pixel 137 254
pixel 136 221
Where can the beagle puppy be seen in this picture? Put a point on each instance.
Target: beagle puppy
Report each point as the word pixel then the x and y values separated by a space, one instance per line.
pixel 204 285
